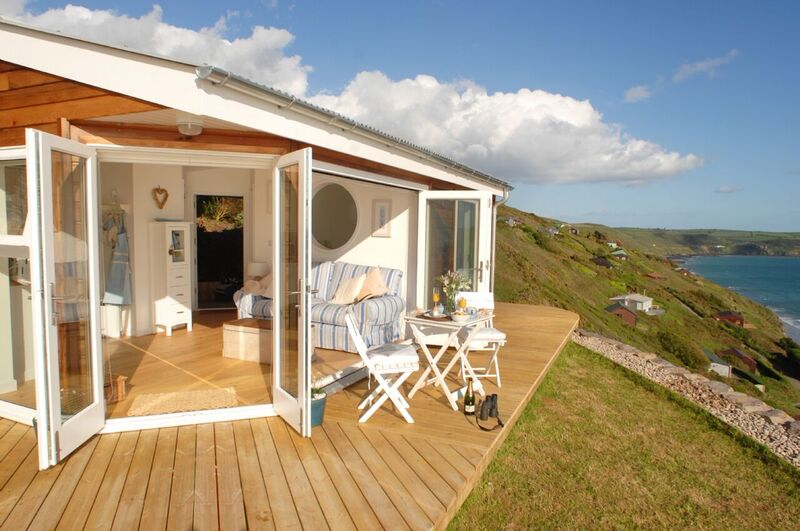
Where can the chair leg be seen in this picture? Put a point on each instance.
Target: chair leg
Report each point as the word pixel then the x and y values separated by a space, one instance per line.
pixel 494 362
pixel 369 397
pixel 390 392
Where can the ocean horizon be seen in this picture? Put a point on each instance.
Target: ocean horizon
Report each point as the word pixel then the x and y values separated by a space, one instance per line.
pixel 773 281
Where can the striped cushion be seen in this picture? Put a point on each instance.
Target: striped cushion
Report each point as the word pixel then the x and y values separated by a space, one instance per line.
pixel 343 270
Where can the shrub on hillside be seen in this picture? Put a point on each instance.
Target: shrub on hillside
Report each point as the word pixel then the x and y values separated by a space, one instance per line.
pixel 538 237
pixel 678 347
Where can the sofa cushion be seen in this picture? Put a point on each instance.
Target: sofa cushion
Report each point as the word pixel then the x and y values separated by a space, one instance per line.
pixel 374 285
pixel 393 356
pixel 348 290
pixel 342 270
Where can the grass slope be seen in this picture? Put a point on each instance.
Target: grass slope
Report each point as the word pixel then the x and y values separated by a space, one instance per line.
pixel 599 446
pixel 537 268
pixel 710 241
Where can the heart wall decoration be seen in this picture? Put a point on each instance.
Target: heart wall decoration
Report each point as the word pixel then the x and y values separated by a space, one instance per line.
pixel 160 196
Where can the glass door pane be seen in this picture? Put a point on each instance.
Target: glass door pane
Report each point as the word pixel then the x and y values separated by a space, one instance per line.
pixel 466 251
pixel 17 370
pixel 291 361
pixel 13 197
pixel 290 274
pixel 440 252
pixel 70 285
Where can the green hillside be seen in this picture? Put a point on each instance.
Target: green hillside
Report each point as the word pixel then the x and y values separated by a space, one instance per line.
pixel 534 266
pixel 707 241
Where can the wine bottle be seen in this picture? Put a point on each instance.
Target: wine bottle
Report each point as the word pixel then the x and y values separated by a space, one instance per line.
pixel 469 399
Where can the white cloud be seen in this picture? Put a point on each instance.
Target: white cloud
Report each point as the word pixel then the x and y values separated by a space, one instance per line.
pixel 638 93
pixel 707 66
pixel 261 56
pixel 523 136
pixel 727 189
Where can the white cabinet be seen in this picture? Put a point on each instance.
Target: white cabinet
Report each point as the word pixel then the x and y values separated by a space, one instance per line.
pixel 171 262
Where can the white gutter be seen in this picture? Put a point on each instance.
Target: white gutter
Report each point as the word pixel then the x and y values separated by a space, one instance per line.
pixel 497 205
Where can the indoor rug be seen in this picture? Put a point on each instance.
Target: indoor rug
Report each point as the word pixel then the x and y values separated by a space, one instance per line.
pixel 158 403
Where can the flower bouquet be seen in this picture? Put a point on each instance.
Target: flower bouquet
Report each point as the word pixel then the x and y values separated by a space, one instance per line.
pixel 452 283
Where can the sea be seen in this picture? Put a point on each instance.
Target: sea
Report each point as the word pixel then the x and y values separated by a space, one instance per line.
pixel 773 281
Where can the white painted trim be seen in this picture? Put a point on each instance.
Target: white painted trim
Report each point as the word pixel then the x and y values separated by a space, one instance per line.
pixel 17 413
pixel 182 157
pixel 188 418
pixel 12 153
pixel 350 173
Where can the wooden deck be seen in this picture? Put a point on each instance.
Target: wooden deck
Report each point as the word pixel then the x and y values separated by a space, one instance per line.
pixel 259 474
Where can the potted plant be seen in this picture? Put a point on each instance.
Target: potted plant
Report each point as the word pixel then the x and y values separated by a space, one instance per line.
pixel 318 400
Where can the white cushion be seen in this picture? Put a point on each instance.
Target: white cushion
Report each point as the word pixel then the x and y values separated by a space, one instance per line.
pixel 348 290
pixel 484 335
pixel 394 356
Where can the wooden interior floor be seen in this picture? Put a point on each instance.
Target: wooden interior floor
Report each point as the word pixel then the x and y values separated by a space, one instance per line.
pixel 259 474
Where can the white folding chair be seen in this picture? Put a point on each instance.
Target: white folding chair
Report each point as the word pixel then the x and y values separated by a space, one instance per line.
pixel 488 338
pixel 391 365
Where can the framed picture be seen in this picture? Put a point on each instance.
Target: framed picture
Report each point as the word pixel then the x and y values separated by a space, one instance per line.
pixel 381 218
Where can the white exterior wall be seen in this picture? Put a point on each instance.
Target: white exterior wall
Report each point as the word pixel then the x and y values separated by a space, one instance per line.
pixel 397 252
pixel 722 370
pixel 145 178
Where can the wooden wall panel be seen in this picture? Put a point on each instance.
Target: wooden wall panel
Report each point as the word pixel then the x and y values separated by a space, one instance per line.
pixel 29 98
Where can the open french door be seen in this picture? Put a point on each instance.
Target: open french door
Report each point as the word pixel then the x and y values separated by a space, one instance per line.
pixel 64 273
pixel 455 233
pixel 291 258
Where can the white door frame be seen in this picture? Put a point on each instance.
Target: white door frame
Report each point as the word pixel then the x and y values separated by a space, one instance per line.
pixel 58 437
pixel 295 410
pixel 484 236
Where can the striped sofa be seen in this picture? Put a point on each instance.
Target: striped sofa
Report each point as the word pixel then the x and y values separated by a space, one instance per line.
pixel 378 319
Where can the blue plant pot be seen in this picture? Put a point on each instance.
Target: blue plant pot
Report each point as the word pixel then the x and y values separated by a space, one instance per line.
pixel 318 410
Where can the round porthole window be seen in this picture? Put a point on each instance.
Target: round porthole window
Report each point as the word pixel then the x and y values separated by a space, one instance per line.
pixel 335 216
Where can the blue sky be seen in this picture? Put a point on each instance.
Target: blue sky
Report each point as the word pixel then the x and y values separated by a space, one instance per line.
pixel 723 141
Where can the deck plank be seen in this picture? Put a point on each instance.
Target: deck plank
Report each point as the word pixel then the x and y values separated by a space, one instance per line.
pixel 206 515
pixel 156 502
pixel 423 495
pixel 441 489
pixel 18 483
pixel 229 485
pixel 360 511
pixel 388 478
pixel 49 513
pixel 308 507
pixel 132 498
pixel 284 512
pixel 372 490
pixel 105 507
pixel 16 454
pixel 256 502
pixel 79 505
pixel 181 499
pixel 329 499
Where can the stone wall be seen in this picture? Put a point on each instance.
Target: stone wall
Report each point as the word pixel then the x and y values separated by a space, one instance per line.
pixel 771 427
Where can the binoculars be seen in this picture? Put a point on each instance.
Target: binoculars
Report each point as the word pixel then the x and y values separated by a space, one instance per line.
pixel 489 407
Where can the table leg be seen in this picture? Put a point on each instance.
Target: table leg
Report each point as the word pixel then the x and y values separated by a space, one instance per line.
pixel 438 378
